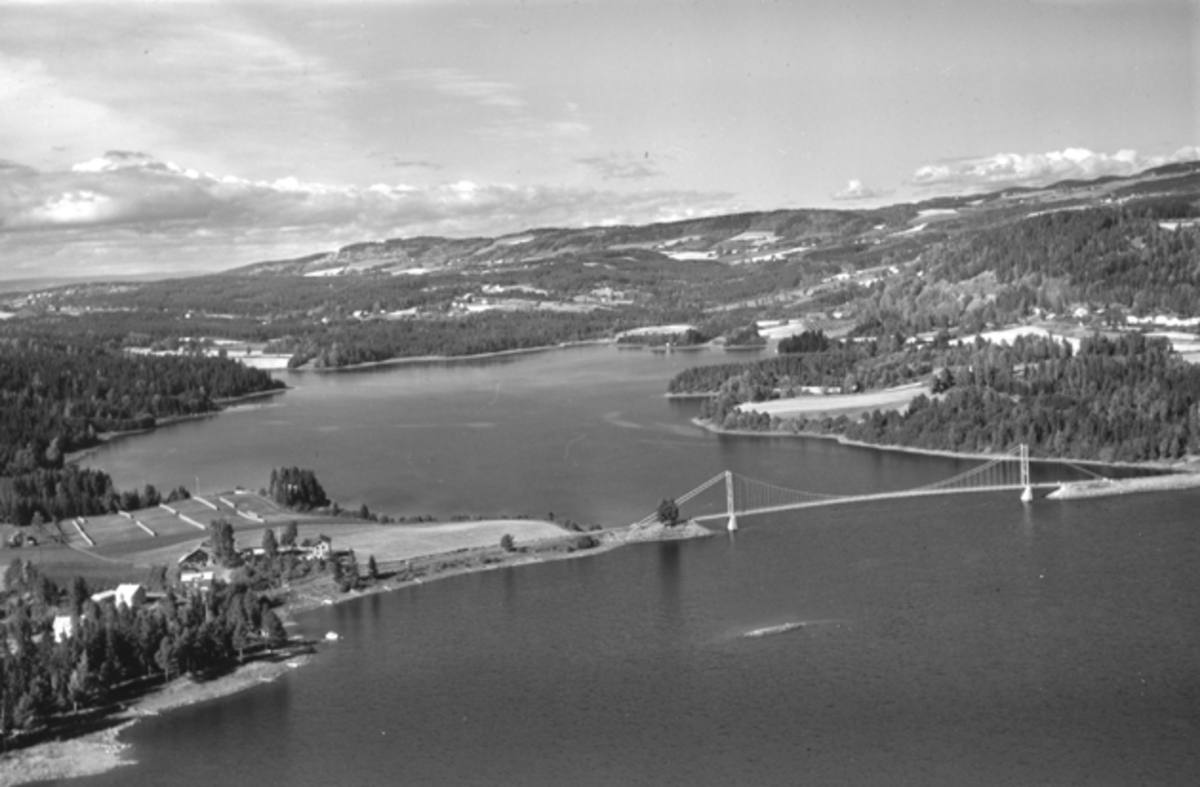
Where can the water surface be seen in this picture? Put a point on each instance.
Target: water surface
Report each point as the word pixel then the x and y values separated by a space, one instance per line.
pixel 958 640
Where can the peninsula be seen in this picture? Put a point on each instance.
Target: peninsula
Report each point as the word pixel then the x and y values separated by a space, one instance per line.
pixel 394 555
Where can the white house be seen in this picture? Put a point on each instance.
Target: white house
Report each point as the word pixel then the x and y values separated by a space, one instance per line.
pixel 64 627
pixel 128 594
pixel 322 549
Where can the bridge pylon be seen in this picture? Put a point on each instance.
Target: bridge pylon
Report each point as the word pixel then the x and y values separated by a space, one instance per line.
pixel 1026 486
pixel 729 504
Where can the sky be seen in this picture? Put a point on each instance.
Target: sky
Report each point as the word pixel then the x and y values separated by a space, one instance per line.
pixel 181 137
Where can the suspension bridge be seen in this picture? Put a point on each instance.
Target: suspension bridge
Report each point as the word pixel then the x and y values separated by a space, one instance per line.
pixel 746 496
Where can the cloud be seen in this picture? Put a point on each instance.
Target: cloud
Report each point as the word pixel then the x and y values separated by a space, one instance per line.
pixel 129 212
pixel 1039 169
pixel 397 162
pixel 857 190
pixel 461 84
pixel 621 166
pixel 12 166
pixel 39 110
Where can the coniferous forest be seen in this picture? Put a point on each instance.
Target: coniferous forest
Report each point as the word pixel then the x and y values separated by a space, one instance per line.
pixel 104 646
pixel 1127 399
pixel 61 395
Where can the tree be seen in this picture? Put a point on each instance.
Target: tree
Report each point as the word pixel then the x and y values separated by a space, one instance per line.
pixel 288 537
pixel 346 573
pixel 269 545
pixel 156 577
pixel 668 512
pixel 223 545
pixel 242 638
pixel 79 593
pixel 83 685
pixel 507 543
pixel 273 630
pixel 372 568
pixel 14 574
pixel 165 657
pixel 47 591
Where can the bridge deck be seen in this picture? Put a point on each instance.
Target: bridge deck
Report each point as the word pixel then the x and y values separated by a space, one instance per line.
pixel 870 497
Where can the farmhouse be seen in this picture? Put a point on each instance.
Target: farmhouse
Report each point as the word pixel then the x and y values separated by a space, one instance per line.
pixel 198 558
pixel 128 594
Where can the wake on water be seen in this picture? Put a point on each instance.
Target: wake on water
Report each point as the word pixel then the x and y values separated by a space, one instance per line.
pixel 783 628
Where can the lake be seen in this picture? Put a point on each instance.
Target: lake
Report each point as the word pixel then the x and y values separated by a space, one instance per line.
pixel 966 639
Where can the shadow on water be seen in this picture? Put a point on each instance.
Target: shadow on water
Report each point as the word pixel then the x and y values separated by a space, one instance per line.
pixel 669 579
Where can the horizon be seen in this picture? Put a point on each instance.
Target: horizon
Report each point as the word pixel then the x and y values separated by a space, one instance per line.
pixel 182 137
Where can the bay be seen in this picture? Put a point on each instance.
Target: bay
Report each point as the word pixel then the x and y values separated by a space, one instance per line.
pixel 965 639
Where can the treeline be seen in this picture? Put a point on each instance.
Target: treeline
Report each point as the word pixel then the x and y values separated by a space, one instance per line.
pixel 487 332
pixel 686 338
pixel 809 341
pixel 48 495
pixel 57 395
pixel 848 366
pixel 1126 399
pixel 107 646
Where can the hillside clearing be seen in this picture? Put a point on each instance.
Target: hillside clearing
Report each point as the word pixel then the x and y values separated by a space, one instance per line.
pixel 833 405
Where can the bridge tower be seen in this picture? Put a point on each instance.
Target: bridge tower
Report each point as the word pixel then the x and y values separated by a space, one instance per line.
pixel 1027 487
pixel 729 506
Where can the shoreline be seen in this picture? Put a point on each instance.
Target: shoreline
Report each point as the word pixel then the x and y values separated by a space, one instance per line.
pixel 1086 490
pixel 418 359
pixel 669 395
pixel 1182 468
pixel 91 753
pixel 473 560
pixel 230 401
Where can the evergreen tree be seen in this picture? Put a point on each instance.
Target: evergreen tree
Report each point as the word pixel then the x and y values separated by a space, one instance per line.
pixel 269 546
pixel 276 634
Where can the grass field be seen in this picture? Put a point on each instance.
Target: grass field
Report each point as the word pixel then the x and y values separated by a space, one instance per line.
pixel 125 552
pixel 833 405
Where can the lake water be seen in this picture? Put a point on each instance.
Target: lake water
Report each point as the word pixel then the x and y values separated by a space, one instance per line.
pixel 958 640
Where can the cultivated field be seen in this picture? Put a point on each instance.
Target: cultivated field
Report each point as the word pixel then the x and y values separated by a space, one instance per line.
pixel 124 551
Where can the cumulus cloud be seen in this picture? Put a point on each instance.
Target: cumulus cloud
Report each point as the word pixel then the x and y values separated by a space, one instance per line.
pixel 133 205
pixel 1039 169
pixel 857 190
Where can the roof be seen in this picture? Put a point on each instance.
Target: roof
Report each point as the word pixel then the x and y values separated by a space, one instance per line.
pixel 198 551
pixel 123 594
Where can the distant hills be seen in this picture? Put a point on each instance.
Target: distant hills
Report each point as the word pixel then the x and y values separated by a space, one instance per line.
pixel 896 233
pixel 1085 254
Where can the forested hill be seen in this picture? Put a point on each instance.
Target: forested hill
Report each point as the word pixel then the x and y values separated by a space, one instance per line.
pixel 59 396
pixel 1097 251
pixel 56 396
pixel 1126 399
pixel 1111 261
pixel 860 237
